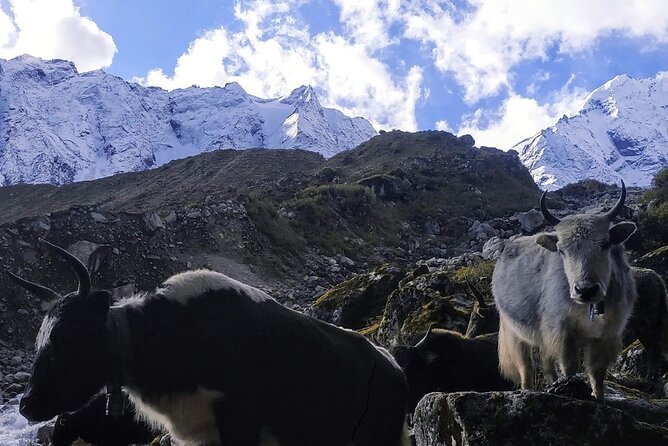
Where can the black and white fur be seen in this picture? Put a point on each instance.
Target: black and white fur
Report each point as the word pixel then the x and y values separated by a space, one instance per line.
pixel 214 361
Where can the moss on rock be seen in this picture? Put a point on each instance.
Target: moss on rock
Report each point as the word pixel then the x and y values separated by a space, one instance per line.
pixel 357 301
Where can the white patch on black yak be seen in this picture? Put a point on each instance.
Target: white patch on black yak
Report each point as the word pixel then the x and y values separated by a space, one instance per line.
pixel 44 335
pixel 188 417
pixel 134 300
pixel 190 284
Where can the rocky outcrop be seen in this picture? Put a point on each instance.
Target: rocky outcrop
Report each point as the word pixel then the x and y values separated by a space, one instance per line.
pixel 526 418
pixel 430 299
pixel 354 303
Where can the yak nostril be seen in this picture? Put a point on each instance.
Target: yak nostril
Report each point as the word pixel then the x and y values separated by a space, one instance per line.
pixel 588 292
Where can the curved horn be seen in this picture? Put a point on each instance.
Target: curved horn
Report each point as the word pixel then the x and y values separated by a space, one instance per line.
pixel 551 219
pixel 612 213
pixel 44 293
pixel 77 266
pixel 426 335
pixel 476 292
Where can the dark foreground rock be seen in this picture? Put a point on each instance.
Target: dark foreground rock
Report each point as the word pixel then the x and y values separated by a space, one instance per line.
pixel 526 418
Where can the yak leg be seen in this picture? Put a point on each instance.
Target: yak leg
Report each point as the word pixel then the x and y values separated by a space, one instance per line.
pixel 569 359
pixel 515 357
pixel 526 366
pixel 549 369
pixel 599 353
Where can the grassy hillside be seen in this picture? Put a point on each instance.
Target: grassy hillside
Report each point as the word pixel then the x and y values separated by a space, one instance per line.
pixel 398 189
pixel 221 174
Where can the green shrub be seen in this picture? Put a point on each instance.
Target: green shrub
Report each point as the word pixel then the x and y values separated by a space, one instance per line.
pixel 266 219
pixel 653 219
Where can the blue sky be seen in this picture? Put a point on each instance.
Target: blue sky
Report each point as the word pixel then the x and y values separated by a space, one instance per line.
pixel 498 69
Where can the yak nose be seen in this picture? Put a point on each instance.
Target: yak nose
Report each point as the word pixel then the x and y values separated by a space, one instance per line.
pixel 26 405
pixel 587 291
pixel 31 409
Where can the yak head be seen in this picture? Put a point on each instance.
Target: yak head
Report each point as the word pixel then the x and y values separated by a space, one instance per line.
pixel 429 364
pixel 70 360
pixel 588 246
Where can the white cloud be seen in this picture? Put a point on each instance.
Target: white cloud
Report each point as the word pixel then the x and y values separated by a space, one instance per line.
pixel 481 48
pixel 368 21
pixel 54 29
pixel 520 117
pixel 274 53
pixel 442 125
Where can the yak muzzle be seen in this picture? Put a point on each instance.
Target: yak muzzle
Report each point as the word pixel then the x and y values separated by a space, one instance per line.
pixel 32 410
pixel 586 292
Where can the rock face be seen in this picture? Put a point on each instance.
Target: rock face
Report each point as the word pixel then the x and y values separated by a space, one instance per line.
pixel 429 299
pixel 60 126
pixel 526 418
pixel 355 302
pixel 621 132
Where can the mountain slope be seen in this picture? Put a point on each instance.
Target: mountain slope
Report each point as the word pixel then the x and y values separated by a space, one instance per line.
pixel 59 126
pixel 620 133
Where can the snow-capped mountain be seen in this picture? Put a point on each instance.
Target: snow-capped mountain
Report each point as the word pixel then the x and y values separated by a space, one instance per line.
pixel 620 133
pixel 59 126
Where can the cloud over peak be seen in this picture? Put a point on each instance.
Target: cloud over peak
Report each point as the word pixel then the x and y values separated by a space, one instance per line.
pixel 54 29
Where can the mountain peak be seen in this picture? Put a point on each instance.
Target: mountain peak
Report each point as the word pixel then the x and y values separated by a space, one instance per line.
pixel 234 87
pixel 61 126
pixel 620 133
pixel 301 95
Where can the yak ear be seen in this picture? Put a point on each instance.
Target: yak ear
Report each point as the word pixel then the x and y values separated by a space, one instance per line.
pixel 548 241
pixel 620 232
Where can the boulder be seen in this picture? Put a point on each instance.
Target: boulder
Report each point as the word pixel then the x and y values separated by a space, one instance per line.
pixel 530 220
pixel 482 231
pixel 430 299
pixel 152 221
pixel 91 254
pixel 170 218
pixel 41 226
pixel 656 260
pixel 526 418
pixel 493 248
pixel 357 301
pixel 99 217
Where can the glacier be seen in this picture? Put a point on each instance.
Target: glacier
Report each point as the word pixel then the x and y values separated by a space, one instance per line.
pixel 621 132
pixel 59 126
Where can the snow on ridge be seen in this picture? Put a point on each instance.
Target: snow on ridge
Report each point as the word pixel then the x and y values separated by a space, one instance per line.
pixel 59 126
pixel 621 132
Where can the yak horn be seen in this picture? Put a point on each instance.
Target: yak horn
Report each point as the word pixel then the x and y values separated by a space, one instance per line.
pixel 426 335
pixel 477 293
pixel 77 266
pixel 551 219
pixel 612 213
pixel 44 293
